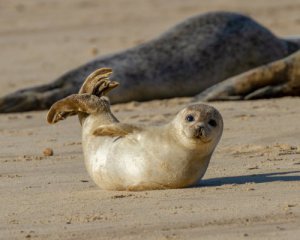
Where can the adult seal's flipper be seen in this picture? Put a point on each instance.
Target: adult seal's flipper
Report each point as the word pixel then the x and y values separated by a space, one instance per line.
pixel 276 79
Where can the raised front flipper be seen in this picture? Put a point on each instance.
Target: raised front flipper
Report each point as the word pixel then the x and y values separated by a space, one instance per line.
pixel 279 78
pixel 116 130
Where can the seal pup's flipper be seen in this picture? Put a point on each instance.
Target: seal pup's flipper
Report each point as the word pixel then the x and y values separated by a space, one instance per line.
pixel 276 79
pixel 116 130
pixel 90 99
pixel 98 82
pixel 74 104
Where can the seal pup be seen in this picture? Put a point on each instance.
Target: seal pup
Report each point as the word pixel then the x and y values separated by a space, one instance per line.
pixel 121 156
pixel 196 54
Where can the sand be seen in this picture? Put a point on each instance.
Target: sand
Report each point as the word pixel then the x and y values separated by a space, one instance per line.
pixel 251 189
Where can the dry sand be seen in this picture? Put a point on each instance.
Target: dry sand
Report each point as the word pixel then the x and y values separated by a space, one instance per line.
pixel 251 189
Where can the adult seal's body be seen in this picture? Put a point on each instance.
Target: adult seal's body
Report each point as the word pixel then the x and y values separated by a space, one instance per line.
pixel 187 59
pixel 121 156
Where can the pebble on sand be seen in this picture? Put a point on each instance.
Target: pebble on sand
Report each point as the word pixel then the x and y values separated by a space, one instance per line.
pixel 48 152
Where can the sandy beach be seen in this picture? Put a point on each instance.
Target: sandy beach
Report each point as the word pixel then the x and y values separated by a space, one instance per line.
pixel 251 189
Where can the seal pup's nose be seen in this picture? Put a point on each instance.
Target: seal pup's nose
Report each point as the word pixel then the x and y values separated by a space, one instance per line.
pixel 200 130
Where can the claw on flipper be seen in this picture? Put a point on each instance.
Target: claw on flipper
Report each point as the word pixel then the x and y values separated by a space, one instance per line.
pixel 98 83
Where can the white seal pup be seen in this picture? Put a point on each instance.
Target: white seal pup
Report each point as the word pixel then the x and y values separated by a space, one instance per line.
pixel 120 156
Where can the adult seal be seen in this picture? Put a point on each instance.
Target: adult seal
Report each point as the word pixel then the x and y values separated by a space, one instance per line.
pixel 184 61
pixel 120 156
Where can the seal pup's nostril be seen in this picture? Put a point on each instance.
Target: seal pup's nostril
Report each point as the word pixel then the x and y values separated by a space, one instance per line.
pixel 200 126
pixel 200 130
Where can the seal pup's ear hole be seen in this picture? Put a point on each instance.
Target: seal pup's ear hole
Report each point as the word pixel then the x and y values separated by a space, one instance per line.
pixel 116 130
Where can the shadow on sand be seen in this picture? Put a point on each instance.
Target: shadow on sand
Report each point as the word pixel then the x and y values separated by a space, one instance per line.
pixel 255 178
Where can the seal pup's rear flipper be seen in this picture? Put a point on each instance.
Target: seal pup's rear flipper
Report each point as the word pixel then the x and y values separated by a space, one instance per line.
pixel 116 130
pixel 98 83
pixel 89 100
pixel 74 104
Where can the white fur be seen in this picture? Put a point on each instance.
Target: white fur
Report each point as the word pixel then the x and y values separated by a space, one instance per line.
pixel 153 158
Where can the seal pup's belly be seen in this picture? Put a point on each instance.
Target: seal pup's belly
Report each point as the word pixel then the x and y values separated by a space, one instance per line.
pixel 138 162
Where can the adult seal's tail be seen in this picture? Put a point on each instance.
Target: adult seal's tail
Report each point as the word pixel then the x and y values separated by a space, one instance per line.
pixel 184 61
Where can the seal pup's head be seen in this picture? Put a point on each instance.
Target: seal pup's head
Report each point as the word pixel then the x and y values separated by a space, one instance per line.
pixel 198 126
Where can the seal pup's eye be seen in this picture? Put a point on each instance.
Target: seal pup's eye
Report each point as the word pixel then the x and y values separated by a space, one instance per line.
pixel 212 122
pixel 190 118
